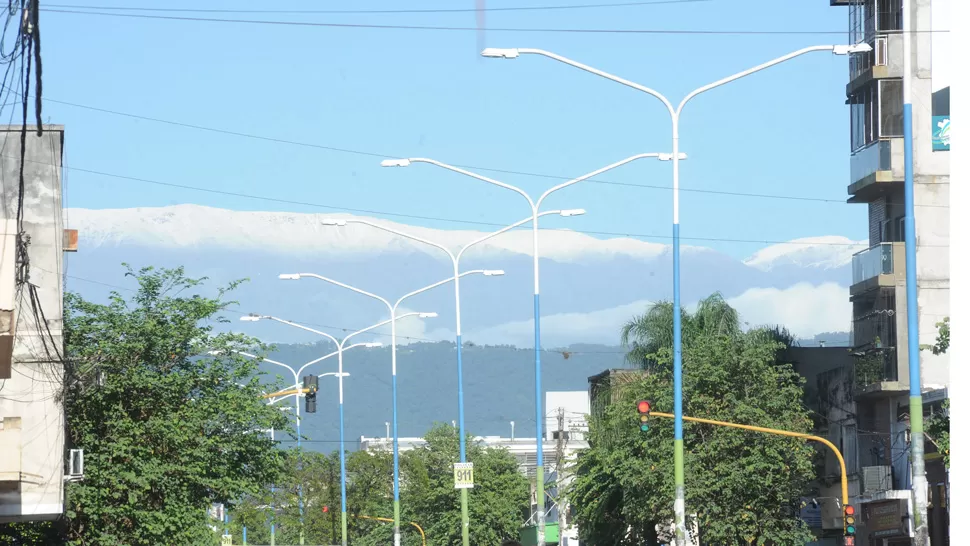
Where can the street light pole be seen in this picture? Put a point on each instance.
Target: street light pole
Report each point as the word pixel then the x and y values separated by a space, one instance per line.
pixel 534 206
pixel 675 113
pixel 340 368
pixel 296 403
pixel 455 259
pixel 392 310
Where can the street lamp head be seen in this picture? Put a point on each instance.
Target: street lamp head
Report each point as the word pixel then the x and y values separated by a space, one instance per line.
pixel 572 212
pixel 500 53
pixel 373 344
pixel 493 272
pixel 250 318
pixel 669 157
pixel 329 222
pixel 289 276
pixel 855 48
pixel 396 163
pixel 427 315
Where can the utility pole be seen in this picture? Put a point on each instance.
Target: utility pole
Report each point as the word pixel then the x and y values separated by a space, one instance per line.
pixel 560 468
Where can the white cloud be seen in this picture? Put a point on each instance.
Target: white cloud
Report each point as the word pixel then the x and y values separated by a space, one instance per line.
pixel 804 309
pixel 828 252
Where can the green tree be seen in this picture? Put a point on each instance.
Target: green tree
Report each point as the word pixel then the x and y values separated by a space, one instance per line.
pixel 169 417
pixel 740 485
pixel 496 504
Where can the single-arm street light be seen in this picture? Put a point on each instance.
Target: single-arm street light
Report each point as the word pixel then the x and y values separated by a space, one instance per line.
pixel 675 113
pixel 534 206
pixel 392 310
pixel 455 259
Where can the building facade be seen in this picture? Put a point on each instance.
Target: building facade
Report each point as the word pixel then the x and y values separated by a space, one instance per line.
pixel 32 450
pixel 863 403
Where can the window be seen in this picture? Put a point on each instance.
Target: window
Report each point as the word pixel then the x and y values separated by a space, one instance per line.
pixel 889 15
pixel 876 111
pixel 890 108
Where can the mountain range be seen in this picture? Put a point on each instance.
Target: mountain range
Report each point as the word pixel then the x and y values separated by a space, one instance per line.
pixel 590 286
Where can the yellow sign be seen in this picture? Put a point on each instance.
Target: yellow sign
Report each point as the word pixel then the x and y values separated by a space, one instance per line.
pixel 464 476
pixel 226 540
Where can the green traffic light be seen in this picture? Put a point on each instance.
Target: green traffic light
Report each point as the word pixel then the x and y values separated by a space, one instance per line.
pixel 850 530
pixel 644 427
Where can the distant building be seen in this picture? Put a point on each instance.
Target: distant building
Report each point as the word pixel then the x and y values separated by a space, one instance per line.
pixel 872 422
pixel 32 448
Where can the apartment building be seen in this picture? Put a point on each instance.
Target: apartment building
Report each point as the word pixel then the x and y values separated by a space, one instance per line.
pixel 32 449
pixel 864 403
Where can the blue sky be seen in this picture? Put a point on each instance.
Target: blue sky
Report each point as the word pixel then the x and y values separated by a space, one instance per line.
pixel 428 93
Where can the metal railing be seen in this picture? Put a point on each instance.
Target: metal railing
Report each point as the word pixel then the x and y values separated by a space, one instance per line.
pixel 872 262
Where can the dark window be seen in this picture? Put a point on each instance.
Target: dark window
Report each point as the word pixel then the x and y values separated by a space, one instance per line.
pixel 889 15
pixel 890 108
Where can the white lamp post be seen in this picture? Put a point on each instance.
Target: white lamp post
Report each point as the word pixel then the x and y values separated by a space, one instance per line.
pixel 534 206
pixel 675 113
pixel 455 259
pixel 392 309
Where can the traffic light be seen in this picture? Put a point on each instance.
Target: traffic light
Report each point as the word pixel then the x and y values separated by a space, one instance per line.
pixel 310 383
pixel 849 524
pixel 643 408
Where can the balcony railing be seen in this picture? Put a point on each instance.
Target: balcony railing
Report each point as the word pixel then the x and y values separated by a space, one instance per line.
pixel 867 161
pixel 872 262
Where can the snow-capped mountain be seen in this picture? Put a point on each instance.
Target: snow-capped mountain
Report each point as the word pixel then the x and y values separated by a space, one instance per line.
pixel 590 286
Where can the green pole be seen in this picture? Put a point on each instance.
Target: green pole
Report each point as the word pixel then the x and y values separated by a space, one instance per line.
pixel 464 517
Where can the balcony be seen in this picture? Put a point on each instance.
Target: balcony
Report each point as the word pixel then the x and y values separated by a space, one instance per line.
pixel 872 168
pixel 876 267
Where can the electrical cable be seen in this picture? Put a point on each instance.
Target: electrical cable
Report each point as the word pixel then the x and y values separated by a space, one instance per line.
pixel 473 29
pixel 380 11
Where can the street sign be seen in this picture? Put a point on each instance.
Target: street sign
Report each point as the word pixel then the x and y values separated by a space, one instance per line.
pixel 464 476
pixel 226 540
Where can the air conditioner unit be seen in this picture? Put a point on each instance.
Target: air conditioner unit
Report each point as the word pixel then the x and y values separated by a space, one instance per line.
pixel 876 479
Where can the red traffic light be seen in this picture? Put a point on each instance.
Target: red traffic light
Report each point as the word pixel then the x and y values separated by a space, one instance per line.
pixel 326 509
pixel 643 406
pixel 850 510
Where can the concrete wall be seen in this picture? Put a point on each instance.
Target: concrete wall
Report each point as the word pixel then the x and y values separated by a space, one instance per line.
pixel 31 393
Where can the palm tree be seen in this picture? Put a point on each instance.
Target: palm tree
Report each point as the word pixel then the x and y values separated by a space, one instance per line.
pixel 647 334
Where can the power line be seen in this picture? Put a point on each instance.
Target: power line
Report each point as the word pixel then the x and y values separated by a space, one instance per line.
pixel 473 167
pixel 451 220
pixel 379 11
pixel 473 29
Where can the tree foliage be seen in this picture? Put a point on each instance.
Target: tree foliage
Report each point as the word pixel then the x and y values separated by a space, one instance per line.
pixel 741 485
pixel 938 426
pixel 428 497
pixel 167 428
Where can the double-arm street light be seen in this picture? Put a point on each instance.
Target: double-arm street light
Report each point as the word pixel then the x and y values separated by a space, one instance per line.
pixel 534 206
pixel 675 113
pixel 296 405
pixel 455 259
pixel 341 347
pixel 392 310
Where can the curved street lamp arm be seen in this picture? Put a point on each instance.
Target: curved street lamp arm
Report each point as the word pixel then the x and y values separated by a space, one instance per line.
pixel 435 285
pixel 607 75
pixel 750 71
pixel 473 175
pixel 594 173
pixel 375 326
pixel 405 235
pixel 348 287
pixel 501 231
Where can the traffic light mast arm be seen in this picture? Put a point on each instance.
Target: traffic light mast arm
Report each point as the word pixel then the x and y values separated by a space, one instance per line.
pixel 286 392
pixel 838 455
pixel 389 520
